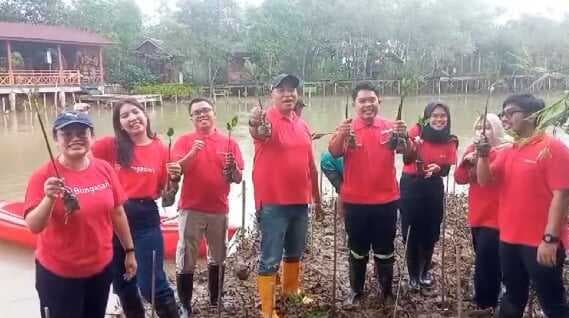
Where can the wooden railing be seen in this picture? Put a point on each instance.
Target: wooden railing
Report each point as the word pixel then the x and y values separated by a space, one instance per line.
pixel 39 78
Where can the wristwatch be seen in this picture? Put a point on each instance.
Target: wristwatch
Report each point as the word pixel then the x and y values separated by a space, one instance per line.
pixel 129 250
pixel 548 238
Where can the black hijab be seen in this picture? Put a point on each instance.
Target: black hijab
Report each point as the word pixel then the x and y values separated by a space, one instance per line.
pixel 428 133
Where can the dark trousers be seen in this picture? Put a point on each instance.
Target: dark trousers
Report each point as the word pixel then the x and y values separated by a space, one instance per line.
pixel 519 267
pixel 144 224
pixel 421 209
pixel 73 297
pixel 487 274
pixel 371 225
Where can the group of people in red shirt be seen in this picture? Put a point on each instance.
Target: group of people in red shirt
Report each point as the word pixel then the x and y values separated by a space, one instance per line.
pixel 518 202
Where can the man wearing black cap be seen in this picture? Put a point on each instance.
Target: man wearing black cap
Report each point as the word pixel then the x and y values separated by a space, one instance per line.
pixel 534 197
pixel 285 182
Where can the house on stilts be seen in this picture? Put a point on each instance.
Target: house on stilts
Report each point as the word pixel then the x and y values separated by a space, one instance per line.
pixel 59 61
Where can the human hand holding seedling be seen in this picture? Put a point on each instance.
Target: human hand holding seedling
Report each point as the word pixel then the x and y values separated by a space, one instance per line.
pixel 432 169
pixel 344 128
pixel 53 187
pixel 174 171
pixel 483 147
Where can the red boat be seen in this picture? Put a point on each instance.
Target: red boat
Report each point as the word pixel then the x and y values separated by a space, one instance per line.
pixel 13 228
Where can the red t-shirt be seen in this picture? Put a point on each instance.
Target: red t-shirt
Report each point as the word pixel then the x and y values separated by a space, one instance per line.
pixel 442 154
pixel 204 187
pixel 147 173
pixel 528 175
pixel 369 169
pixel 483 202
pixel 83 246
pixel 282 163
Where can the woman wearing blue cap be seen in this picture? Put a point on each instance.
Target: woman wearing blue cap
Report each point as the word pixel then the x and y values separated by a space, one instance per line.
pixel 74 247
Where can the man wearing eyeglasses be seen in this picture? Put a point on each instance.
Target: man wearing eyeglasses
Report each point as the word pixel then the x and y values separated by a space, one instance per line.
pixel 285 182
pixel 534 197
pixel 209 161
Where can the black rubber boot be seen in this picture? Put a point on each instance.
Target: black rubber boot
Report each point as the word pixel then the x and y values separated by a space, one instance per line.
pixel 414 269
pixel 426 279
pixel 185 287
pixel 213 282
pixel 384 273
pixel 357 279
pixel 167 308
pixel 132 305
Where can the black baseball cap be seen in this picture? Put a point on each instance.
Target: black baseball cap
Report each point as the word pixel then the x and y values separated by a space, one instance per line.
pixel 281 78
pixel 72 117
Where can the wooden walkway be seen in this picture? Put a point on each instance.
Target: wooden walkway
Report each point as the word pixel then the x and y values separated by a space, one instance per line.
pixel 110 99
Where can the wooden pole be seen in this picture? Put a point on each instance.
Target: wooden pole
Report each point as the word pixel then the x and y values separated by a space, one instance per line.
pixel 60 60
pixel 458 283
pixel 9 53
pixel 243 207
pixel 334 266
pixel 443 269
pixel 400 271
pixel 3 105
pixel 101 69
pixel 44 102
pixel 153 285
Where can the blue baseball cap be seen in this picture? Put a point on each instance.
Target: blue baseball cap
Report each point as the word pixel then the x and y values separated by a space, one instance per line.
pixel 72 117
pixel 282 78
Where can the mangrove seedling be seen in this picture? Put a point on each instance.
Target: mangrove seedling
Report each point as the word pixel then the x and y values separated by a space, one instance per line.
pixel 70 200
pixel 398 140
pixel 230 125
pixel 351 142
pixel 170 134
pixel 264 128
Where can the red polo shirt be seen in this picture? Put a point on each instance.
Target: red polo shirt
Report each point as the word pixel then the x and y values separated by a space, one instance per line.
pixel 442 154
pixel 82 247
pixel 483 202
pixel 528 175
pixel 204 188
pixel 147 173
pixel 369 169
pixel 281 167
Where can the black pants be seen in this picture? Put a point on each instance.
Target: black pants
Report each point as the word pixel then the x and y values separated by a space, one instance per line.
pixel 422 210
pixel 73 297
pixel 487 274
pixel 371 225
pixel 519 267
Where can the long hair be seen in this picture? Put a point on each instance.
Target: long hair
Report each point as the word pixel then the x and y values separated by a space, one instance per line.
pixel 125 145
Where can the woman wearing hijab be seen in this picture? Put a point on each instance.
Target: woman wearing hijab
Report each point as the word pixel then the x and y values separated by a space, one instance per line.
pixel 422 189
pixel 483 214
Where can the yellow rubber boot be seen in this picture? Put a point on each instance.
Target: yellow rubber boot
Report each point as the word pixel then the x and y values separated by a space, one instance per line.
pixel 266 286
pixel 291 277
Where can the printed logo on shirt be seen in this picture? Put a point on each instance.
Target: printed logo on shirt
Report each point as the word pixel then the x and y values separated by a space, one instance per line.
pixel 142 169
pixel 136 169
pixel 91 189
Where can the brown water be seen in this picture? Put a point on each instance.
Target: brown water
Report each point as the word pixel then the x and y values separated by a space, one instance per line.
pixel 23 151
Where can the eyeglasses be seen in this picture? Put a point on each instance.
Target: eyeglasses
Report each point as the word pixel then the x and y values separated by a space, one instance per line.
pixel 201 111
pixel 509 113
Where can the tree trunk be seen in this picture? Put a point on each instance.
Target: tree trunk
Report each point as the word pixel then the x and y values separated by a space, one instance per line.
pixel 210 77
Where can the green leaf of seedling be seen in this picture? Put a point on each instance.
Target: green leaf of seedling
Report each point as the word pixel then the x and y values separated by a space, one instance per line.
pixel 234 121
pixel 228 126
pixel 170 132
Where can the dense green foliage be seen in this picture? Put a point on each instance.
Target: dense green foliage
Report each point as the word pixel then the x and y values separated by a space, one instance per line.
pixel 317 39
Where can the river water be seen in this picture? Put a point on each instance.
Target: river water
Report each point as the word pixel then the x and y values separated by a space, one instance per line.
pixel 23 151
